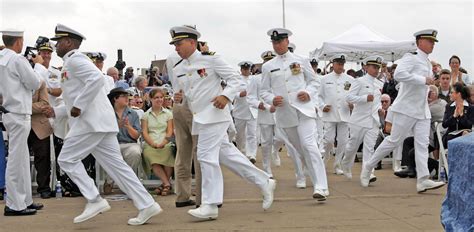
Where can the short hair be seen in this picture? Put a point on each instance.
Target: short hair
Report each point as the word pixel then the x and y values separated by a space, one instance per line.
pixel 112 69
pixel 10 40
pixel 462 89
pixel 444 71
pixel 139 79
pixel 455 57
pixel 433 88
pixel 386 96
pixel 155 91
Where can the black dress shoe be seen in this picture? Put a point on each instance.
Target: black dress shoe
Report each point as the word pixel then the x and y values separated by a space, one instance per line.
pixel 45 195
pixel 1 194
pixel 253 160
pixel 25 212
pixel 185 203
pixel 35 206
pixel 379 166
pixel 407 172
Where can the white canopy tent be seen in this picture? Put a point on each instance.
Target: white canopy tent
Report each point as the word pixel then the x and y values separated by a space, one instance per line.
pixel 360 42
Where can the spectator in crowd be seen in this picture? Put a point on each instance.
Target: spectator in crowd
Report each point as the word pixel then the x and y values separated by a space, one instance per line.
pixel 39 142
pixel 129 132
pixel 456 74
pixel 471 91
pixel 157 127
pixel 459 115
pixel 436 68
pixel 444 85
pixel 129 77
pixel 136 103
pixel 384 73
pixel 351 72
pixel 154 78
pixel 390 86
pixel 437 109
pixel 114 73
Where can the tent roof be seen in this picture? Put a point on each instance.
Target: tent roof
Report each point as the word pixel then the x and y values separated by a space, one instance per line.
pixel 360 42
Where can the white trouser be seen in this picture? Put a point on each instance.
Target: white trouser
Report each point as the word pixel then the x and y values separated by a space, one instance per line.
pixel 401 127
pixel 342 137
pixel 231 131
pixel 359 135
pixel 319 131
pixel 17 174
pixel 105 148
pixel 214 148
pixel 132 155
pixel 302 138
pixel 267 132
pixel 297 158
pixel 246 137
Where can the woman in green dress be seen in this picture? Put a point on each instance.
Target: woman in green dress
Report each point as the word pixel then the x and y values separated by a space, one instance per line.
pixel 157 128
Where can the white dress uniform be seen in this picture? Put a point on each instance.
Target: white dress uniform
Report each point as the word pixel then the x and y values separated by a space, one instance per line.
pixel 245 118
pixel 199 76
pixel 286 75
pixel 19 81
pixel 83 88
pixel 333 92
pixel 364 122
pixel 410 114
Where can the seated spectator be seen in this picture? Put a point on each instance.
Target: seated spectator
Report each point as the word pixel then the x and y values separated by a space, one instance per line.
pixel 390 86
pixel 437 108
pixel 129 132
pixel 471 91
pixel 456 74
pixel 459 115
pixel 136 103
pixel 445 85
pixel 157 127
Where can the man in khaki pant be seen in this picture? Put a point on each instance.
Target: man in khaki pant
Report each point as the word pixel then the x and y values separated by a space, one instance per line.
pixel 187 147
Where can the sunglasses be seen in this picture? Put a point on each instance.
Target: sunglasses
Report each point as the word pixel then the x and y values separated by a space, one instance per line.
pixel 139 102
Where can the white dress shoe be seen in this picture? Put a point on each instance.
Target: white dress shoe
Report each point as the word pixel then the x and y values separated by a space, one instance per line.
pixel 91 210
pixel 347 172
pixel 145 214
pixel 301 184
pixel 364 176
pixel 267 193
pixel 208 212
pixel 320 194
pixel 373 178
pixel 337 169
pixel 397 165
pixel 276 159
pixel 428 184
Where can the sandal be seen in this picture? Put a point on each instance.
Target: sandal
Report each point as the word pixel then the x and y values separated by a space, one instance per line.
pixel 166 190
pixel 159 190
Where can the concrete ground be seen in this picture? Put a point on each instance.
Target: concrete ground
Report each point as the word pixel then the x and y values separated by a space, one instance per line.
pixel 389 204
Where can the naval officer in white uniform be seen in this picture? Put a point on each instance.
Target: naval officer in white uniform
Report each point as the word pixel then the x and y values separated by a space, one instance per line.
pixel 289 84
pixel 199 78
pixel 411 111
pixel 93 129
pixel 364 123
pixel 245 116
pixel 19 81
pixel 336 111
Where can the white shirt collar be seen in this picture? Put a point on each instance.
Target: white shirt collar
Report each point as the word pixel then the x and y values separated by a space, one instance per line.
pixel 465 103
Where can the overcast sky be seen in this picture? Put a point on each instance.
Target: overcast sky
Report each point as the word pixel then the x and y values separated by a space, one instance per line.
pixel 237 29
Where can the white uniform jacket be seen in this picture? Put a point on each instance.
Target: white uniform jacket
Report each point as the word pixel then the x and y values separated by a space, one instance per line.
pixel 365 114
pixel 253 97
pixel 411 73
pixel 18 81
pixel 200 77
pixel 281 80
pixel 242 109
pixel 83 88
pixel 333 92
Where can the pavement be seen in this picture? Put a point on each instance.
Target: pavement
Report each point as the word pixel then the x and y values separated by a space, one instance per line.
pixel 389 204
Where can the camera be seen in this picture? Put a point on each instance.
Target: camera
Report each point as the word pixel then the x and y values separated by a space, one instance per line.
pixel 29 52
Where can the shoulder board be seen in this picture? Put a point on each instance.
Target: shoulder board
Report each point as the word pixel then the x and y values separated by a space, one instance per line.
pixel 208 53
pixel 379 80
pixel 180 75
pixel 71 54
pixel 56 68
pixel 274 70
pixel 178 63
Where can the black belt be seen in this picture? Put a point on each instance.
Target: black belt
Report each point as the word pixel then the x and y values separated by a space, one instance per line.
pixel 3 110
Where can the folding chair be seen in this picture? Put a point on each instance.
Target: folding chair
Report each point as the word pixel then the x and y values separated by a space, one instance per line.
pixel 443 152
